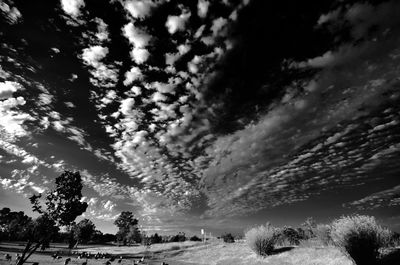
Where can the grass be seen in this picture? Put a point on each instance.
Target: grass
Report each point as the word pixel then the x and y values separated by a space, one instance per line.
pixel 196 253
pixel 241 254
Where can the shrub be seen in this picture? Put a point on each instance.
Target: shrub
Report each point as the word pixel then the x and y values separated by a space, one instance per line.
pixel 288 236
pixel 262 239
pixel 195 238
pixel 323 234
pixel 360 237
pixel 228 238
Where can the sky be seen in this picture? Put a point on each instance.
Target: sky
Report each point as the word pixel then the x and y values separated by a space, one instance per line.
pixel 216 115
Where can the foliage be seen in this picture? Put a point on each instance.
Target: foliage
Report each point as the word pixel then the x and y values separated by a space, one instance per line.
pixel 288 236
pixel 308 226
pixel 323 234
pixel 262 239
pixel 13 225
pixel 180 237
pixel 63 204
pixel 155 239
pixel 100 238
pixel 360 237
pixel 134 235
pixel 228 238
pixel 195 238
pixel 127 228
pixel 60 207
pixel 83 231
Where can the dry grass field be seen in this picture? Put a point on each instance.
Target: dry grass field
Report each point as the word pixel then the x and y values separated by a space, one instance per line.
pixel 193 253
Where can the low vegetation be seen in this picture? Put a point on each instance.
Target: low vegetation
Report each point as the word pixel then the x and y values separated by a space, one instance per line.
pixel 262 239
pixel 360 237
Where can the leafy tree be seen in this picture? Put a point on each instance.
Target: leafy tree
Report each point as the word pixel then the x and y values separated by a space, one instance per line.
pixel 127 227
pixel 309 226
pixel 59 207
pixel 195 238
pixel 13 225
pixel 155 239
pixel 83 231
pixel 134 235
pixel 289 235
pixel 228 238
pixel 180 237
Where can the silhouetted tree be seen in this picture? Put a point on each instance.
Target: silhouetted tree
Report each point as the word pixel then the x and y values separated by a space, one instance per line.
pixel 13 225
pixel 59 207
pixel 228 238
pixel 309 225
pixel 83 231
pixel 195 238
pixel 155 239
pixel 127 227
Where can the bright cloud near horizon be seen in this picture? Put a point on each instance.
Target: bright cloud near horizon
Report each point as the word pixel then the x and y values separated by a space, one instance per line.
pixel 203 114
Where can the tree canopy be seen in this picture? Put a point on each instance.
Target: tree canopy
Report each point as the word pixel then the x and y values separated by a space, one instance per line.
pixel 127 227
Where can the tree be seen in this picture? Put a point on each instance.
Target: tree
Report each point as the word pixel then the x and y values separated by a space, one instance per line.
pixel 13 225
pixel 228 238
pixel 134 235
pixel 309 226
pixel 59 207
pixel 155 239
pixel 127 227
pixel 83 231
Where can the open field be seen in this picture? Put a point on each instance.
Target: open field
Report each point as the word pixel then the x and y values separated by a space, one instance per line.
pixel 195 253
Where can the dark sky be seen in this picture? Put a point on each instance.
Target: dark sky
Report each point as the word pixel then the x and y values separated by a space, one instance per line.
pixel 204 114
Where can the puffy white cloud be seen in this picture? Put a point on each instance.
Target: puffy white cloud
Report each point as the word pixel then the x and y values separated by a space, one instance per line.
pixel 164 87
pixel 218 25
pixel 139 55
pixel 12 120
pixel 138 37
pixel 72 7
pixel 7 88
pixel 102 75
pixel 139 8
pixel 137 91
pixel 177 23
pixel 159 97
pixel 202 8
pixel 102 30
pixel 132 75
pixel 126 106
pixel 11 13
pixel 94 54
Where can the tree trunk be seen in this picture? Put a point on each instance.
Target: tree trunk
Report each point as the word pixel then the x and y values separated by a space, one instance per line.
pixel 28 250
pixel 30 253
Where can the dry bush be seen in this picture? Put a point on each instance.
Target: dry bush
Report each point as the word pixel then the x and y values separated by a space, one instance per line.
pixel 262 239
pixel 323 234
pixel 360 237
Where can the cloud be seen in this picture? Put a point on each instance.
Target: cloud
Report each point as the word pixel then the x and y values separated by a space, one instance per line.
pixel 138 37
pixel 127 106
pixel 139 8
pixel 72 7
pixel 12 119
pixel 177 23
pixel 132 75
pixel 7 89
pixel 102 75
pixel 12 14
pixel 218 25
pixel 94 54
pixel 385 198
pixel 139 55
pixel 102 30
pixel 202 8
